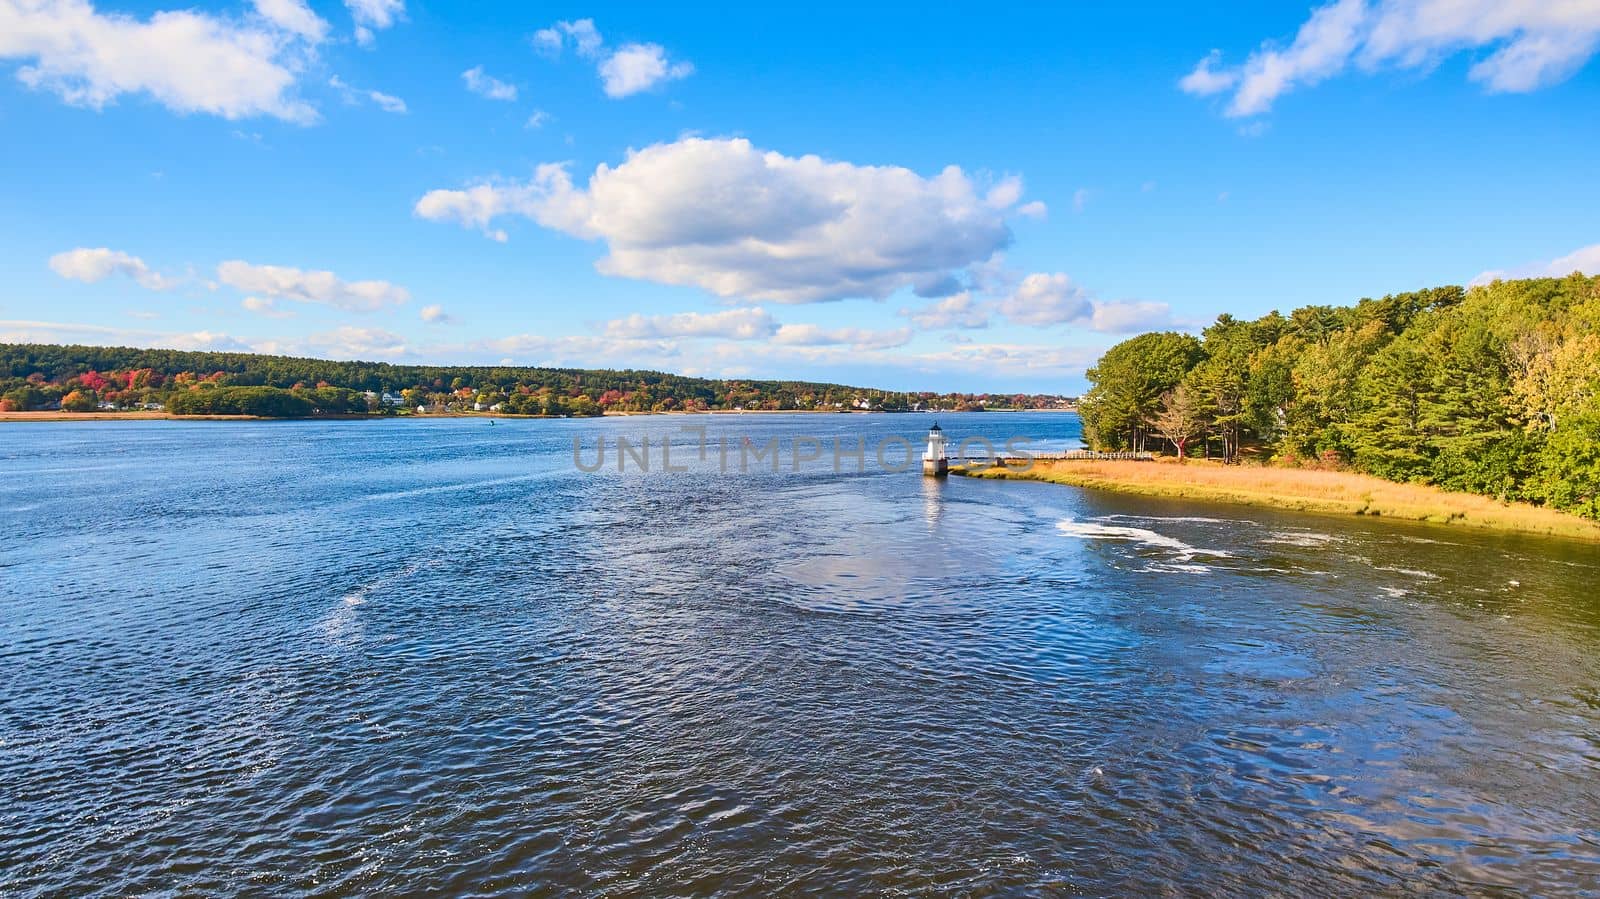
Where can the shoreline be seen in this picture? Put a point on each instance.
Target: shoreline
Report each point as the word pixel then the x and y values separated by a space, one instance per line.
pixel 168 416
pixel 1301 490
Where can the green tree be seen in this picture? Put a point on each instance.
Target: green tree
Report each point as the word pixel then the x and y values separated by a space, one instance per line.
pixel 1128 383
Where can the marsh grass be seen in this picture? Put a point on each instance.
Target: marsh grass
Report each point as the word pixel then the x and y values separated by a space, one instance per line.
pixel 1304 490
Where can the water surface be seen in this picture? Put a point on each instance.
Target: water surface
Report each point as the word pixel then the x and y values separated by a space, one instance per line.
pixel 431 656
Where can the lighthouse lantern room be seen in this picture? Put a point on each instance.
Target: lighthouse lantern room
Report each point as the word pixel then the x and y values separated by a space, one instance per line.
pixel 935 464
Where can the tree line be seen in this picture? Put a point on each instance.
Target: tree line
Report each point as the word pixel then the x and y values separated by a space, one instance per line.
pixel 89 378
pixel 1492 390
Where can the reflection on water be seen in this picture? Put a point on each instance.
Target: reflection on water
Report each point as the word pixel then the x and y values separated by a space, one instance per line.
pixel 424 656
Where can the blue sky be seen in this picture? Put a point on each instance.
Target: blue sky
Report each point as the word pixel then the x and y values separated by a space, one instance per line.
pixel 942 197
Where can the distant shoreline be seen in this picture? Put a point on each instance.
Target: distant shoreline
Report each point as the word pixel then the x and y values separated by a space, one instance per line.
pixel 1301 490
pixel 168 416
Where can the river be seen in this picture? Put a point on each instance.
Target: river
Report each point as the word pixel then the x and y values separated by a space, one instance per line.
pixel 434 656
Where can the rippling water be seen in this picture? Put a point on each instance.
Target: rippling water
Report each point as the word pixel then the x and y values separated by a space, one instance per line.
pixel 431 656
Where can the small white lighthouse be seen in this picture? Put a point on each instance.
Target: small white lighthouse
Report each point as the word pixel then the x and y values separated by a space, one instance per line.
pixel 935 464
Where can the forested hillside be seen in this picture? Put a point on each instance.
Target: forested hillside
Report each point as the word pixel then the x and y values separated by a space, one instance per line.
pixel 1493 390
pixel 90 378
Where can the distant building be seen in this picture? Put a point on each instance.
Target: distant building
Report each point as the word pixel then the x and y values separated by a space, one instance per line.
pixel 393 399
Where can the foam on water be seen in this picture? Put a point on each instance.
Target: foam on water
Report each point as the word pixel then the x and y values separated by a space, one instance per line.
pixel 1308 539
pixel 1195 519
pixel 1090 530
pixel 1411 572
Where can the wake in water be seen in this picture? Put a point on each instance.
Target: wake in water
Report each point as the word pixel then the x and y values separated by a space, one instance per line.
pixel 1183 553
pixel 1308 539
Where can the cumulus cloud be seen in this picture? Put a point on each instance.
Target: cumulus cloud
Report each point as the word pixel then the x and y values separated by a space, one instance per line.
pixel 435 315
pixel 185 60
pixel 265 306
pixel 1053 299
pixel 1206 80
pixel 932 287
pixel 100 335
pixel 349 342
pixel 639 67
pixel 326 288
pixel 293 16
pixel 746 223
pixel 1010 360
pixel 93 265
pixel 1130 316
pixel 1005 193
pixel 487 86
pixel 581 32
pixel 959 311
pixel 374 15
pixel 537 120
pixel 353 95
pixel 1047 299
pixel 856 338
pixel 1531 44
pixel 734 324
pixel 1584 259
pixel 1033 210
pixel 625 70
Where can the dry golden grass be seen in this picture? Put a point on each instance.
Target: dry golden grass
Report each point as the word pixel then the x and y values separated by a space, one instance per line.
pixel 1302 490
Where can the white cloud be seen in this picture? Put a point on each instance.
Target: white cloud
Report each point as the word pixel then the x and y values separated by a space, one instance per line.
pixel 293 16
pixel 1005 193
pixel 1052 299
pixel 1080 199
pixel 1584 259
pixel 1531 44
pixel 537 120
pixel 322 287
pixel 349 342
pixel 959 311
pixel 374 15
pixel 1130 316
pixel 486 86
pixel 1045 299
pixel 734 324
pixel 387 102
pixel 187 61
pixel 435 315
pixel 265 306
pixel 746 223
pixel 1011 360
pixel 624 71
pixel 1033 210
pixel 639 67
pixel 584 36
pixel 92 265
pixel 352 95
pixel 855 338
pixel 547 41
pixel 99 335
pixel 1205 80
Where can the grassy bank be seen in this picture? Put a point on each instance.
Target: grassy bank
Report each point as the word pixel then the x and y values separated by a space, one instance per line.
pixel 1333 492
